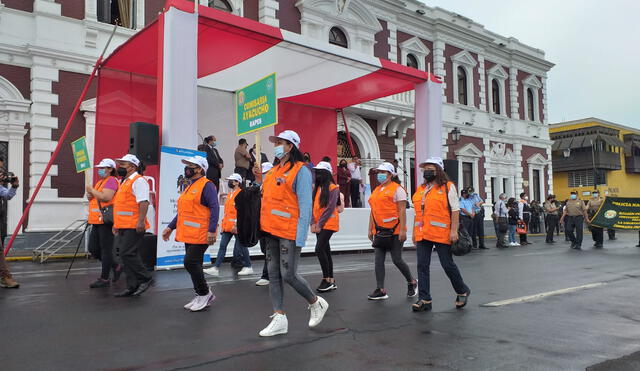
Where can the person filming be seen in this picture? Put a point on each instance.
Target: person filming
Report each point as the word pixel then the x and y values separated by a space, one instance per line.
pixel 9 184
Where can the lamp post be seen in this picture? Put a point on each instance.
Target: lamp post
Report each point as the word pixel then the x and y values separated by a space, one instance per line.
pixel 455 135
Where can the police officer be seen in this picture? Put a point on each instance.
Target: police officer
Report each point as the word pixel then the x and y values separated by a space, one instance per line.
pixel 575 213
pixel 593 206
pixel 478 219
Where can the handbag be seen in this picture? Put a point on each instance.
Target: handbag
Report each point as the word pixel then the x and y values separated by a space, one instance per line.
pixel 521 227
pixel 107 213
pixel 464 243
pixel 503 227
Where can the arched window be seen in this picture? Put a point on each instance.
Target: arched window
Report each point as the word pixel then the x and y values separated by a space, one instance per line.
pixel 530 105
pixel 462 86
pixel 337 37
pixel 412 61
pixel 221 5
pixel 495 96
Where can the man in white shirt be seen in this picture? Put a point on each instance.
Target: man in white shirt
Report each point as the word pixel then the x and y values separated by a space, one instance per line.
pixel 500 218
pixel 356 180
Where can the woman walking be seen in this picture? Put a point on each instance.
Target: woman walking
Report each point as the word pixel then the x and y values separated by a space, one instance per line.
pixel 325 222
pixel 437 227
pixel 344 182
pixel 195 225
pixel 513 221
pixel 387 228
pixel 101 220
pixel 285 216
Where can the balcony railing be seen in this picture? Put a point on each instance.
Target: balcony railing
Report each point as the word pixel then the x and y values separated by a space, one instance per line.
pixel 632 164
pixel 584 160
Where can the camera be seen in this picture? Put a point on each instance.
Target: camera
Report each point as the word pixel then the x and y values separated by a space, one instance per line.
pixel 8 177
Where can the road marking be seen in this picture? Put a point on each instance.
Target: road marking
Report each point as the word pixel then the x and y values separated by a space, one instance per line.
pixel 530 298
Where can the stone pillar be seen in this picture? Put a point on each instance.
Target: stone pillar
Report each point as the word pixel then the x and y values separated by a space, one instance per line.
pixel 393 42
pixel 544 101
pixel 267 12
pixel 517 154
pixel 483 85
pixel 513 92
pixel 46 6
pixel 438 64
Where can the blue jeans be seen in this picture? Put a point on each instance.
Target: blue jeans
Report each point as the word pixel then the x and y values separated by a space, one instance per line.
pixel 423 250
pixel 239 252
pixel 512 233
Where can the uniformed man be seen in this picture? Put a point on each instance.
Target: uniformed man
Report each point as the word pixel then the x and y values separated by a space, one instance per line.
pixel 575 213
pixel 551 211
pixel 592 207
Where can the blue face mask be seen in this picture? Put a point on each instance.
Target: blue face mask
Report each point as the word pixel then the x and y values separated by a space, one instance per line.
pixel 573 197
pixel 381 177
pixel 278 151
pixel 214 144
pixel 102 173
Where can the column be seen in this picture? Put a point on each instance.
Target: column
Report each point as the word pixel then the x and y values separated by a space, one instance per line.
pixel 393 42
pixel 513 92
pixel 544 101
pixel 517 154
pixel 46 6
pixel 438 64
pixel 483 85
pixel 15 165
pixel 267 12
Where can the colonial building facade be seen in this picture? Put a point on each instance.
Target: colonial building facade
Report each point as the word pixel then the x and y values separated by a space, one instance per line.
pixel 495 89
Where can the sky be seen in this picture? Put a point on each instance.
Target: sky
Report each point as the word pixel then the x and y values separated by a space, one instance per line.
pixel 595 46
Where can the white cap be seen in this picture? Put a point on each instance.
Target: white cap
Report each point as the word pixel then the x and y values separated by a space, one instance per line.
pixel 387 166
pixel 129 158
pixel 107 162
pixel 435 161
pixel 197 160
pixel 266 166
pixel 289 135
pixel 236 177
pixel 323 165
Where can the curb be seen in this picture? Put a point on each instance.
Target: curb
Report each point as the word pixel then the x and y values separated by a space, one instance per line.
pixel 30 258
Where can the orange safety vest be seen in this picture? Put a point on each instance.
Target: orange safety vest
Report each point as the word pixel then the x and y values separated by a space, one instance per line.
pixel 436 221
pixel 193 216
pixel 333 223
pixel 95 215
pixel 417 205
pixel 384 210
pixel 279 211
pixel 125 206
pixel 230 217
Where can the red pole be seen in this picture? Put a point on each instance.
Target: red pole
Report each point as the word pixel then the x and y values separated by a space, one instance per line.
pixel 54 155
pixel 346 130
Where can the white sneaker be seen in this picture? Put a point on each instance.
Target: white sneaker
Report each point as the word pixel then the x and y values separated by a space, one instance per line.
pixel 202 302
pixel 213 271
pixel 246 271
pixel 189 304
pixel 318 309
pixel 516 244
pixel 279 325
pixel 262 282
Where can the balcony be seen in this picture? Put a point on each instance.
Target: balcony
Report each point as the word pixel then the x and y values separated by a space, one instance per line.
pixel 632 164
pixel 583 160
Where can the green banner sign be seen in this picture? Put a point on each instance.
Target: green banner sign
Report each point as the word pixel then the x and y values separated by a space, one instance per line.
pixel 257 106
pixel 81 155
pixel 618 213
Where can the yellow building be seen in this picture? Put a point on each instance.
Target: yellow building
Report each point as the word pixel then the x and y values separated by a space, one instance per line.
pixel 582 148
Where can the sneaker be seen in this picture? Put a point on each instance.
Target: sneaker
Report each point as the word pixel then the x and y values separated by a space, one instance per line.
pixel 516 244
pixel 411 289
pixel 246 271
pixel 99 283
pixel 190 304
pixel 202 301
pixel 378 295
pixel 278 325
pixel 213 271
pixel 9 283
pixel 326 286
pixel 318 310
pixel 262 282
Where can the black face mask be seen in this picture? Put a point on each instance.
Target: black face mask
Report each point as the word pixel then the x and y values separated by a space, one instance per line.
pixel 189 172
pixel 429 175
pixel 122 172
pixel 231 184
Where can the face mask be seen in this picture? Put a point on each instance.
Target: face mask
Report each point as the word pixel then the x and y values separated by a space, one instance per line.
pixel 278 151
pixel 595 195
pixel 429 175
pixel 526 197
pixel 231 184
pixel 102 173
pixel 122 171
pixel 381 177
pixel 189 172
pixel 573 197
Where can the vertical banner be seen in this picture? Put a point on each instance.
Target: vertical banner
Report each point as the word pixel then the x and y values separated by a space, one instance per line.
pixel 172 183
pixel 428 122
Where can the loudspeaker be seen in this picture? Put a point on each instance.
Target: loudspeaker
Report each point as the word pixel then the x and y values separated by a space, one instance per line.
pixel 144 142
pixel 451 168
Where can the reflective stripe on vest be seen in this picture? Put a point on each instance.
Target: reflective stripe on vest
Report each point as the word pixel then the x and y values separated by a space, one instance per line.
pixel 417 207
pixel 125 206
pixel 193 216
pixel 279 210
pixel 437 217
pixel 95 215
pixel 383 208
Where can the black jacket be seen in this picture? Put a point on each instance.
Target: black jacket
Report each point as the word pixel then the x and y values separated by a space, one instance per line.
pixel 214 160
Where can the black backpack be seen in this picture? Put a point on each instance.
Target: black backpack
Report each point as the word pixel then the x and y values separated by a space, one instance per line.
pixel 248 203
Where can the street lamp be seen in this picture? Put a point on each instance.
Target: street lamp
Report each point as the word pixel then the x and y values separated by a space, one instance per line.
pixel 455 135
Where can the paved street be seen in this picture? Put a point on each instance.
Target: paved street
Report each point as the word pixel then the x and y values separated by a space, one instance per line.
pixel 586 313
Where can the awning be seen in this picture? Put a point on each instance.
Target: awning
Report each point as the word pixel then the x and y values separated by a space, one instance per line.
pixel 612 141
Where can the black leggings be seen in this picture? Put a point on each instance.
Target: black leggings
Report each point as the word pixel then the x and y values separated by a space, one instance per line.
pixel 193 264
pixel 394 246
pixel 323 251
pixel 101 239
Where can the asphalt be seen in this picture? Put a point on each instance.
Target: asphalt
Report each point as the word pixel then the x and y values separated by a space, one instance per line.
pixel 589 319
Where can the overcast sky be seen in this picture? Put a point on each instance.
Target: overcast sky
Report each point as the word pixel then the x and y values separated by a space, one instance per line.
pixel 595 46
